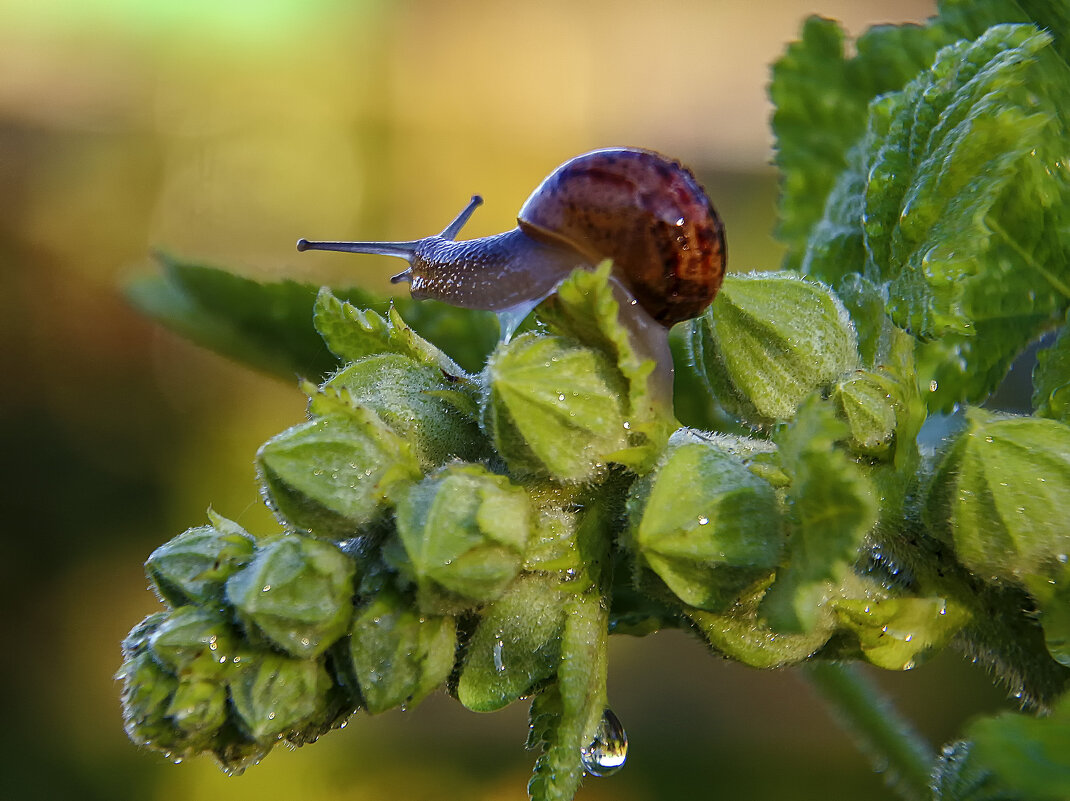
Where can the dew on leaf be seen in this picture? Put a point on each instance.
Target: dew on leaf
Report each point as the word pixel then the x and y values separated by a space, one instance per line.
pixel 609 749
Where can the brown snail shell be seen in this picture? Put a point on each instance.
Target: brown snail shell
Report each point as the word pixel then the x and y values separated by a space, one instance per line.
pixel 645 212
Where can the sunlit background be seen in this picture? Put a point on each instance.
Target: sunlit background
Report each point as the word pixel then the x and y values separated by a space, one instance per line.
pixel 222 132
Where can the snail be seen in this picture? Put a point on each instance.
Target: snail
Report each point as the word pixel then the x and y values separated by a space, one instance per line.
pixel 645 212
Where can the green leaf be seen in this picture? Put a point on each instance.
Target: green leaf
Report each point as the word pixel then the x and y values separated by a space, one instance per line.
pixel 268 325
pixel 516 645
pixel 397 655
pixel 821 99
pixel 832 507
pixel 587 306
pixel 768 340
pixel 464 531
pixel 706 525
pixel 554 408
pixel 353 333
pixel 467 335
pixel 297 591
pixel 265 325
pixel 968 19
pixel 1027 756
pixel 965 207
pixel 333 474
pixel 431 411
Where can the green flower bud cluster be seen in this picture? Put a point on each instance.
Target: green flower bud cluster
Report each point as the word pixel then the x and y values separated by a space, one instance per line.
pixel 239 660
pixel 485 533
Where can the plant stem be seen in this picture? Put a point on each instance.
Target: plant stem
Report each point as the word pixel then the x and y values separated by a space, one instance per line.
pixel 881 732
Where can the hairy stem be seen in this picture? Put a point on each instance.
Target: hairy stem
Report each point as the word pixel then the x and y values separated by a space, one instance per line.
pixel 887 739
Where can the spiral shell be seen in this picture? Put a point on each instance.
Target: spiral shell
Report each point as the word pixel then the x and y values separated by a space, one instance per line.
pixel 645 212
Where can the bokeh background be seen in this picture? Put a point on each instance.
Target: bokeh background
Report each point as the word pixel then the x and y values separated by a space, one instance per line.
pixel 222 132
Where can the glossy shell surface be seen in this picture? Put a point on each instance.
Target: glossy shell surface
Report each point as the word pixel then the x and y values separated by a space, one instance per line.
pixel 644 211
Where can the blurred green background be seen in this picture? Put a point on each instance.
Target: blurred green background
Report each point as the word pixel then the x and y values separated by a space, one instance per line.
pixel 222 132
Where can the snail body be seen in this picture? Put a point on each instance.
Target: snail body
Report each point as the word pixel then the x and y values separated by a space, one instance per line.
pixel 645 212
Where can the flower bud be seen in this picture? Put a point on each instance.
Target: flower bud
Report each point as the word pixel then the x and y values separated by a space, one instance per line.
pixel 274 695
pixel 516 646
pixel 419 403
pixel 199 706
pixel 554 408
pixel 395 655
pixel 463 533
pixel 193 566
pixel 768 341
pixel 1002 495
pixel 332 475
pixel 869 411
pixel 194 641
pixel 705 524
pixel 147 691
pixel 297 591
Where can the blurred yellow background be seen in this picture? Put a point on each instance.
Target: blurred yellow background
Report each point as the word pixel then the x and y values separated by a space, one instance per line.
pixel 222 132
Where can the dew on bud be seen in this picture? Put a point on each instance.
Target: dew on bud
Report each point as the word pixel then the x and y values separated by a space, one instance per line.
pixel 499 665
pixel 609 749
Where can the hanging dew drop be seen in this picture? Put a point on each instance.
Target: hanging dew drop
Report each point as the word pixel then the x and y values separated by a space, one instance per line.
pixel 609 749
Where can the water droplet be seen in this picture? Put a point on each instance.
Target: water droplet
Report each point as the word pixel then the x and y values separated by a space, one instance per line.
pixel 607 752
pixel 703 520
pixel 627 426
pixel 560 396
pixel 265 588
pixel 499 665
pixel 933 386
